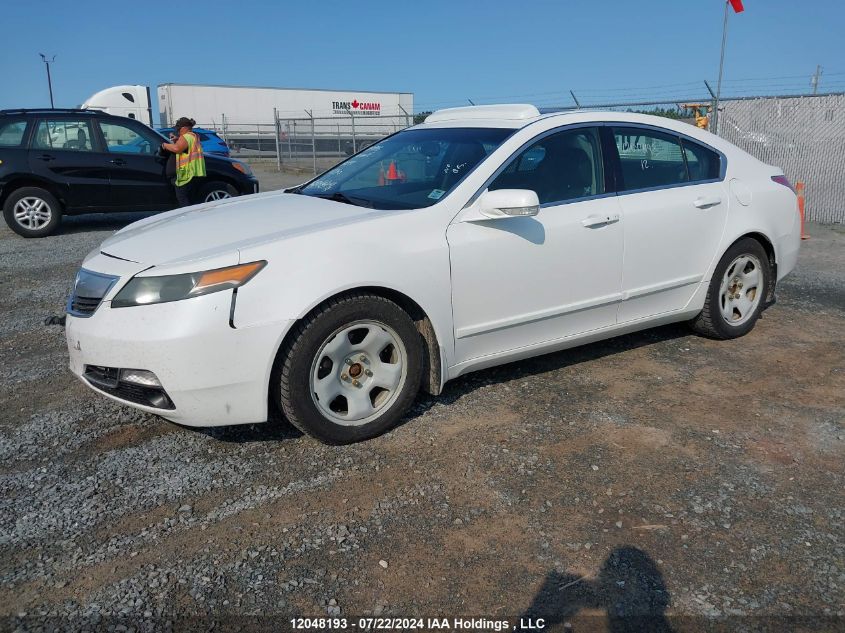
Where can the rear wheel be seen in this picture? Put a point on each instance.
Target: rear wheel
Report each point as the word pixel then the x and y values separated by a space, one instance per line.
pixel 32 212
pixel 216 190
pixel 737 292
pixel 350 370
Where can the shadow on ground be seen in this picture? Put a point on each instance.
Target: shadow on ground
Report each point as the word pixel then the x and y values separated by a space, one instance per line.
pixel 271 431
pixel 501 374
pixel 629 589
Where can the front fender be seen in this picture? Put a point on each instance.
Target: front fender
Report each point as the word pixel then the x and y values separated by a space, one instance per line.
pixel 404 253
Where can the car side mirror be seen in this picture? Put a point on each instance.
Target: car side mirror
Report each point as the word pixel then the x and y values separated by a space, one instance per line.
pixel 508 203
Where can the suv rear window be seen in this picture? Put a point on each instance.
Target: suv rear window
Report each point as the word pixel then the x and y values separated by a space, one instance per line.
pixel 11 133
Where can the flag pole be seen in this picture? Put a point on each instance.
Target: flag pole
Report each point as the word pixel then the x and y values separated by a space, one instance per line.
pixel 721 66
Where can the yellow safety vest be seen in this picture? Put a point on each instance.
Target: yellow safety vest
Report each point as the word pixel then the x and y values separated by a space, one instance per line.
pixel 190 164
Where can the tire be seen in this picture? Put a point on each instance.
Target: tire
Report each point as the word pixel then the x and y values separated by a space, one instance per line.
pixel 363 348
pixel 736 298
pixel 32 212
pixel 216 190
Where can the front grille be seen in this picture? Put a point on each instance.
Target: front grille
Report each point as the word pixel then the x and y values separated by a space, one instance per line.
pixel 84 305
pixel 88 292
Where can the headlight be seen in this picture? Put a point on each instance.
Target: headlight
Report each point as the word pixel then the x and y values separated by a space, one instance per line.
pixel 242 167
pixel 142 291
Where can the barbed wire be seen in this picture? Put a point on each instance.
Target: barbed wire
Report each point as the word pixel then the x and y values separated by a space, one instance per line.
pixel 773 84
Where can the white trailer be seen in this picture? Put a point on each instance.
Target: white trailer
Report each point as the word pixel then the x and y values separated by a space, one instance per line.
pixel 269 121
pixel 241 108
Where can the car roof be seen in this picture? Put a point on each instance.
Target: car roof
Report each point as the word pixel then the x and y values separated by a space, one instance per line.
pixel 519 116
pixel 25 111
pixel 516 116
pixel 196 129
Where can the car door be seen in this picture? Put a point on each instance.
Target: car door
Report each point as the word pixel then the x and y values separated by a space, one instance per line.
pixel 136 171
pixel 528 281
pixel 63 152
pixel 675 207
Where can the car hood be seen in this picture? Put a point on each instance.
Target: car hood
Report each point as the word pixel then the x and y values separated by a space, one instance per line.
pixel 221 160
pixel 208 230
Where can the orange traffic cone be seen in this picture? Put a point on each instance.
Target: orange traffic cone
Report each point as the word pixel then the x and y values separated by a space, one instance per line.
pixel 799 189
pixel 392 172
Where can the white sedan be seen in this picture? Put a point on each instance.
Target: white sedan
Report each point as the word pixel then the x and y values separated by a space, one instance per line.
pixel 483 236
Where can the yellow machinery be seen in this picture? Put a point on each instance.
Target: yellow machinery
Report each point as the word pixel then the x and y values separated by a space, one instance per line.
pixel 699 112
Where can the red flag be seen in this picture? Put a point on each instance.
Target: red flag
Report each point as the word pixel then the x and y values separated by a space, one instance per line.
pixel 737 5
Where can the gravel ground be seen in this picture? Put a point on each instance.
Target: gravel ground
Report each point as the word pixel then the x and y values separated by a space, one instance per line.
pixel 657 474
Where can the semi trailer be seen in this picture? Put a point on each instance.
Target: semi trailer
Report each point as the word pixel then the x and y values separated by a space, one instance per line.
pixel 250 118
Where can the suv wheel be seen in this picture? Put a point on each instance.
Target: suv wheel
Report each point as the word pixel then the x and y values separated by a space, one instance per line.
pixel 216 190
pixel 32 212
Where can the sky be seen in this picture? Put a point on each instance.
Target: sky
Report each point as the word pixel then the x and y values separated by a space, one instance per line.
pixel 444 52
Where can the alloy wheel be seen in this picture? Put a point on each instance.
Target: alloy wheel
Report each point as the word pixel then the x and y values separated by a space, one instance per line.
pixel 32 213
pixel 217 194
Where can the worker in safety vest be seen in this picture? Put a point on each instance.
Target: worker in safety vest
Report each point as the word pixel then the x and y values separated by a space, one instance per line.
pixel 190 163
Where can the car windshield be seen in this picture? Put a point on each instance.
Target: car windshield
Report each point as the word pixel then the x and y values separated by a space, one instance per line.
pixel 409 170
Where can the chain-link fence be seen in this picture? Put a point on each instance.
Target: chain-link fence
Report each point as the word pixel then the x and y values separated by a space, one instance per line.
pixel 805 136
pixel 320 142
pixel 306 144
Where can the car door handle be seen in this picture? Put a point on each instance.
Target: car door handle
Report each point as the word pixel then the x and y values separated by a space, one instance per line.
pixel 117 161
pixel 599 220
pixel 703 203
pixel 46 157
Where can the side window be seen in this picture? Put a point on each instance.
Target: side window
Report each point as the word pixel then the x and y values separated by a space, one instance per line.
pixel 702 163
pixel 649 158
pixel 67 135
pixel 559 167
pixel 127 139
pixel 11 133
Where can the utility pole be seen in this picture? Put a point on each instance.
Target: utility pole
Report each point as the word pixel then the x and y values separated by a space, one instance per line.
pixel 721 67
pixel 49 79
pixel 814 82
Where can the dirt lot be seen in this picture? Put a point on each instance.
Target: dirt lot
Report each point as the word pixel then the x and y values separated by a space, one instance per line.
pixel 655 474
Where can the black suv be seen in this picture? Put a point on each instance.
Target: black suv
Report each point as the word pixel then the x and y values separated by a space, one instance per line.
pixel 85 161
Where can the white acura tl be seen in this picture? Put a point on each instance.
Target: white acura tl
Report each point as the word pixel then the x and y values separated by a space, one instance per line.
pixel 484 235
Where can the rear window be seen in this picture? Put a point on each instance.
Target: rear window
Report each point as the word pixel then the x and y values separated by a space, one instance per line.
pixel 702 163
pixel 11 133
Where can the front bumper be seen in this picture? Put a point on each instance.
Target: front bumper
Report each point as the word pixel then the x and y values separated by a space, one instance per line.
pixel 214 374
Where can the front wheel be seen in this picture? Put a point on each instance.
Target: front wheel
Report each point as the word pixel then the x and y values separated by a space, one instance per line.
pixel 216 190
pixel 737 293
pixel 351 369
pixel 32 212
